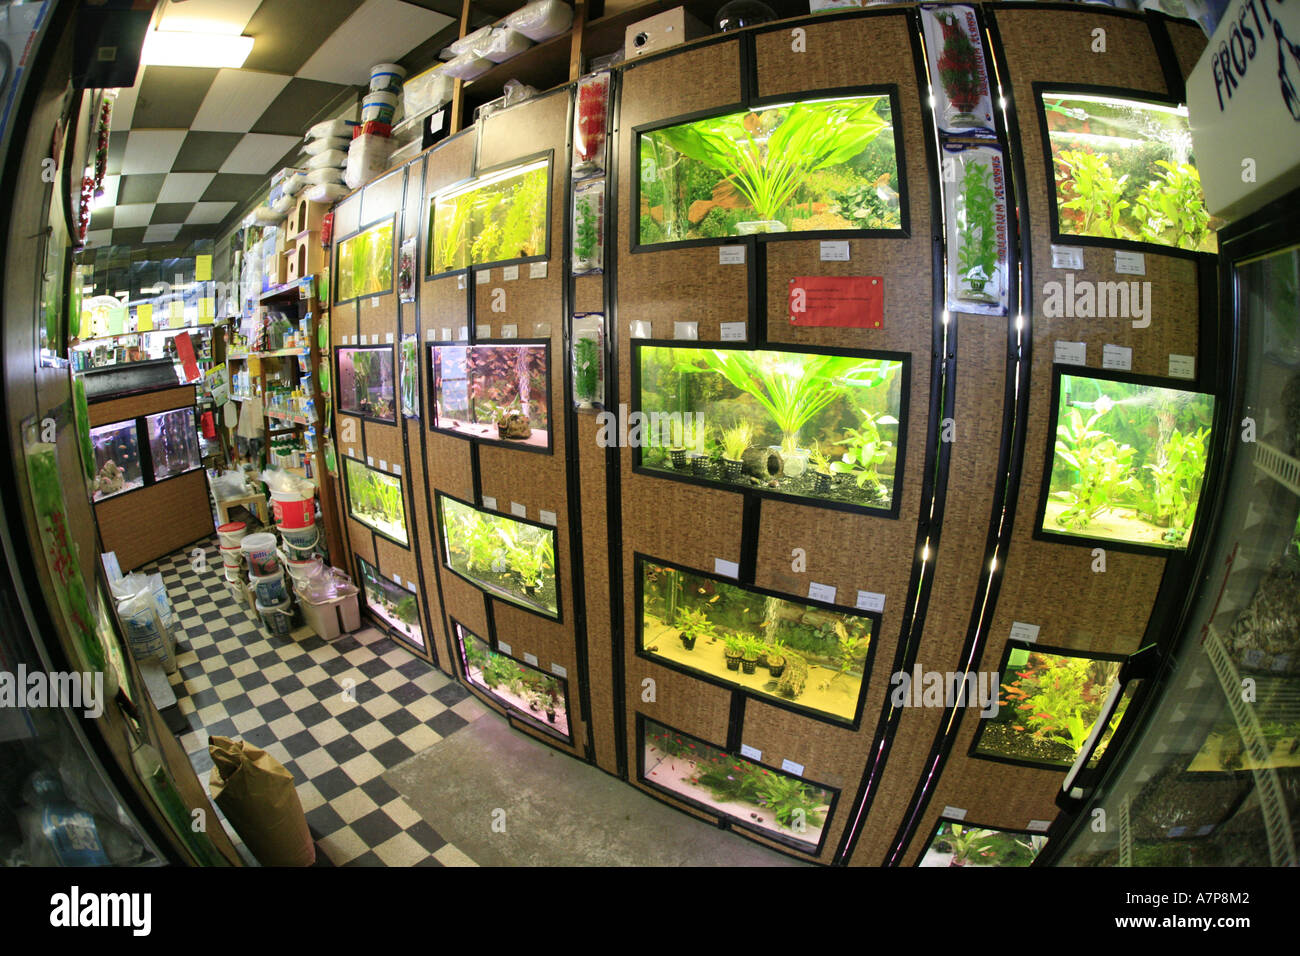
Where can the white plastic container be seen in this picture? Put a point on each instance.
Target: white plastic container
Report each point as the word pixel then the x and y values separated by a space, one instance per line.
pixel 315 147
pixel 541 19
pixel 504 44
pixel 467 43
pixel 329 158
pixel 427 91
pixel 387 76
pixel 467 66
pixel 332 617
pixel 277 618
pixel 269 587
pixel 259 549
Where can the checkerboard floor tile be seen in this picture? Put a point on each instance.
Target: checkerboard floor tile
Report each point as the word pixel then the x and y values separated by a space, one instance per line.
pixel 287 696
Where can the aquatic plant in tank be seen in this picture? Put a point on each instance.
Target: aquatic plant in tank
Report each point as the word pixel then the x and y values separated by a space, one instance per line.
pixel 375 499
pixel 529 692
pixel 495 392
pixel 1128 462
pixel 117 459
pixel 808 425
pixel 173 442
pixel 511 559
pixel 960 844
pixel 409 372
pixel 366 382
pixel 772 803
pixel 810 656
pixel 366 262
pixel 810 166
pixel 392 603
pixel 498 217
pixel 1124 169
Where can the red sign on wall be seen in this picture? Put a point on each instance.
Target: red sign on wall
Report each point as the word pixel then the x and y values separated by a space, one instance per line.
pixel 850 302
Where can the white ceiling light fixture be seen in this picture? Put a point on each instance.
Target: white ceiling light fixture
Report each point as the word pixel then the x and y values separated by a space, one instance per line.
pixel 207 49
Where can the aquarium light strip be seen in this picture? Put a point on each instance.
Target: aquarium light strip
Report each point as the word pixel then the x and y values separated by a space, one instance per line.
pixel 1179 110
pixel 489 180
pixel 823 99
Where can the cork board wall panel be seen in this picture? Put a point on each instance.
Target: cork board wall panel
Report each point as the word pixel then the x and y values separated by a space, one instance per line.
pixel 384 445
pixel 696 78
pixel 343 322
pixel 1189 43
pixel 681 523
pixel 395 560
pixel 464 603
pixel 361 539
pixel 1064 52
pixel 129 524
pixel 681 702
pixel 447 465
pixel 350 436
pixel 596 580
pixel 588 294
pixel 133 406
pixel 521 302
pixel 347 215
pixel 535 481
pixel 449 163
pixel 858 51
pixel 377 315
pixel 383 197
pixel 529 634
pixel 681 285
pixel 444 308
pixel 534 125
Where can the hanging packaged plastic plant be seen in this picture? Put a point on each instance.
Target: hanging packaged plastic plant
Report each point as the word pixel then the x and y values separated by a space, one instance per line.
pixel 588 360
pixel 406 271
pixel 963 102
pixel 590 125
pixel 975 206
pixel 408 368
pixel 589 227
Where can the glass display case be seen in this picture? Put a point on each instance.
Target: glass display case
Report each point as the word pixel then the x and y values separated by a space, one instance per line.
pixel 502 216
pixel 541 699
pixel 365 262
pixel 497 393
pixel 375 499
pixel 395 605
pixel 366 385
pixel 802 424
pixel 964 844
pixel 510 558
pixel 117 459
pixel 173 442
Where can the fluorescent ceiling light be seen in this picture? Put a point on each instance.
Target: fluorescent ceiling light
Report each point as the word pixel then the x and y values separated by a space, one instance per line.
pixel 173 48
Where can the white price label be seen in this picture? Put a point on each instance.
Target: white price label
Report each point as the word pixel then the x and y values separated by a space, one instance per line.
pixel 510 331
pixel 789 766
pixel 1020 631
pixel 518 510
pixel 750 752
pixel 397 578
pixel 374 302
pixel 728 569
pixel 870 601
pixel 489 503
pixel 397 469
pixel 732 331
pixel 731 255
pixel 821 592
pixel 537 270
pixel 541 330
pixel 1071 353
pixel 953 813
pixel 641 330
pixel 509 273
pixel 484 331
pixel 484 277
pixel 1182 366
pixel 370 461
pixel 530 659
pixel 383 465
pixel 686 330
pixel 446 335
pixel 464 333
pixel 1067 257
pixel 460 281
pixel 1130 263
pixel 504 648
pixel 428 335
pixel 546 517
pixel 1116 357
pixel 559 670
pixel 835 250
pixel 1039 826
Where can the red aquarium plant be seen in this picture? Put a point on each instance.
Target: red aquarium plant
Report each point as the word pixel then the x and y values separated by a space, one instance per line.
pixel 589 125
pixel 959 67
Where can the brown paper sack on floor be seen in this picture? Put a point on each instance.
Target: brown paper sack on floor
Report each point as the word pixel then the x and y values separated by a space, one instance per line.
pixel 257 796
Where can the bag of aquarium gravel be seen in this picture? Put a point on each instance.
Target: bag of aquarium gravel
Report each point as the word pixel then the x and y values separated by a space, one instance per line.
pixel 257 795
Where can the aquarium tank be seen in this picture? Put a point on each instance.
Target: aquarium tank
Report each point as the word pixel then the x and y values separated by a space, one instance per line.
pixel 494 392
pixel 366 262
pixel 1277 712
pixel 395 605
pixel 798 167
pixel 1128 462
pixel 375 499
pixel 173 442
pixel 786 808
pixel 509 558
pixel 1047 707
pixel 808 425
pixel 962 844
pixel 538 697
pixel 499 217
pixel 366 382
pixel 809 656
pixel 1124 170
pixel 117 459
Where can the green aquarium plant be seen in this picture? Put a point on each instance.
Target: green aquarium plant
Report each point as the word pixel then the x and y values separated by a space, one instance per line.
pixel 585 235
pixel 693 624
pixel 1170 207
pixel 733 650
pixel 1102 468
pixel 968 844
pixel 865 451
pixel 775 654
pixel 793 803
pixel 1097 194
pixel 751 649
pixel 1176 479
pixel 586 369
pixel 1057 698
pixel 977 258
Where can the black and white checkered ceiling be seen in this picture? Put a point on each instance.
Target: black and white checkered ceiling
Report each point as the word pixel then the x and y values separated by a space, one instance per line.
pixel 190 147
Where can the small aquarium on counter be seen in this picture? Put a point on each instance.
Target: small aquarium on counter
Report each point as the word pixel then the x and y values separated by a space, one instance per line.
pixel 510 558
pixel 498 393
pixel 541 699
pixel 173 442
pixel 391 602
pixel 375 499
pixel 366 382
pixel 117 459
pixel 961 844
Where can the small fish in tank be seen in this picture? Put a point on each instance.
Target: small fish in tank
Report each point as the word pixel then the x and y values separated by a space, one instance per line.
pixel 497 392
pixel 1128 462
pixel 375 499
pixel 117 459
pixel 514 560
pixel 392 602
pixel 959 844
pixel 366 262
pixel 823 427
pixel 366 382
pixel 529 692
pixel 173 443
pixel 496 218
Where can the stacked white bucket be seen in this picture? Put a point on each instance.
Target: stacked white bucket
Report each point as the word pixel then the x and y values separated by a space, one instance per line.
pixel 369 152
pixel 265 573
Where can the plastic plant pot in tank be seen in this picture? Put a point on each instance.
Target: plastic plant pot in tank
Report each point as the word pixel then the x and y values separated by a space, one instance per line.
pixel 117 459
pixel 823 428
pixel 366 262
pixel 539 698
pixel 375 499
pixel 813 166
pixel 498 393
pixel 1128 462
pixel 366 382
pixel 1048 704
pixel 395 605
pixel 173 443
pixel 500 217
pixel 1124 170
pixel 962 844
pixel 780 806
pixel 511 559
pixel 809 657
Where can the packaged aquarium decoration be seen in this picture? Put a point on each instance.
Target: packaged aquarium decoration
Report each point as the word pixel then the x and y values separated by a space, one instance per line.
pixel 393 603
pixel 589 227
pixel 1128 463
pixel 406 270
pixel 588 360
pixel 777 805
pixel 1124 170
pixel 590 126
pixel 366 382
pixel 1047 708
pixel 493 392
pixel 509 558
pixel 117 459
pixel 408 368
pixel 538 697
pixel 497 218
pixel 959 78
pixel 810 656
pixel 961 844
pixel 808 425
pixel 375 499
pixel 173 442
pixel 975 201
pixel 813 166
pixel 366 262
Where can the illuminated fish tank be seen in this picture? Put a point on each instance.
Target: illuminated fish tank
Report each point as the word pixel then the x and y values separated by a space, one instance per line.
pixel 541 699
pixel 962 844
pixel 824 428
pixel 807 656
pixel 1230 748
pixel 493 392
pixel 365 385
pixel 813 166
pixel 502 216
pixel 366 262
pixel 117 459
pixel 173 442
pixel 375 499
pixel 394 604
pixel 780 806
pixel 509 558
pixel 1128 462
pixel 1047 707
pixel 1124 170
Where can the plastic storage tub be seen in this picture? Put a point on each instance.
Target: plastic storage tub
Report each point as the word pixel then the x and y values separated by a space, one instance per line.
pixel 504 44
pixel 541 19
pixel 269 587
pixel 467 66
pixel 387 76
pixel 467 43
pixel 278 618
pixel 330 618
pixel 259 549
pixel 231 533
